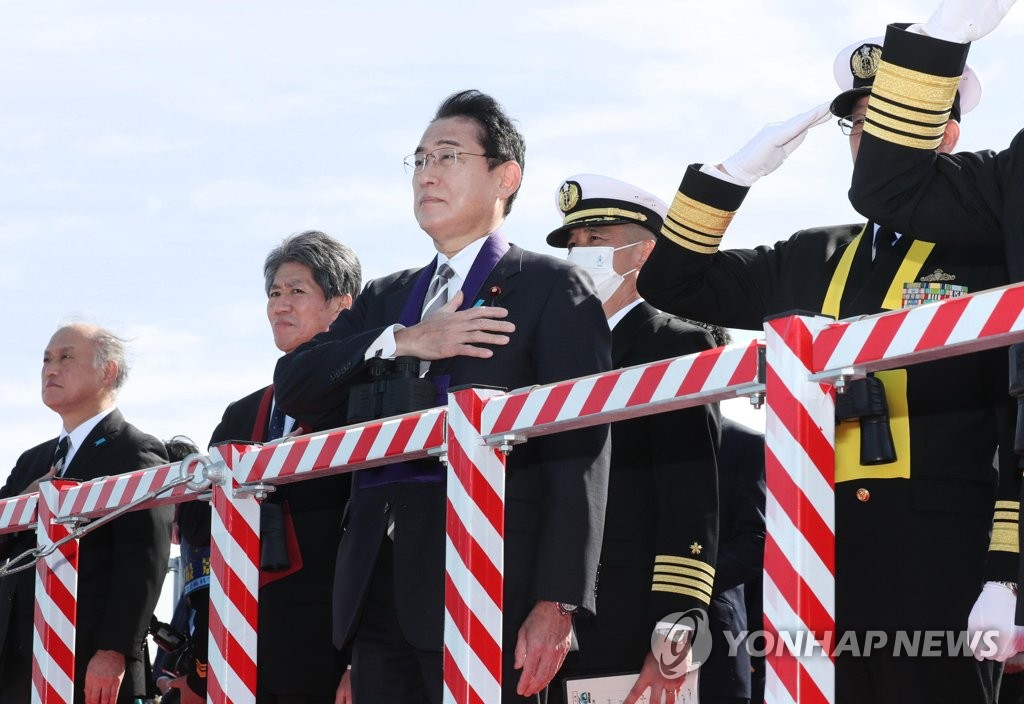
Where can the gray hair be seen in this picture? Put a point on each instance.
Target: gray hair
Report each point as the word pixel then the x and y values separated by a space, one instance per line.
pixel 335 266
pixel 110 348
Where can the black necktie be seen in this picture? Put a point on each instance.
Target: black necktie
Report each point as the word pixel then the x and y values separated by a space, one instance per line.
pixel 60 454
pixel 276 429
pixel 885 240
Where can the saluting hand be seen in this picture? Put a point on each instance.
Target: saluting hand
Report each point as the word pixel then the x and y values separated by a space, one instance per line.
pixel 964 21
pixel 770 147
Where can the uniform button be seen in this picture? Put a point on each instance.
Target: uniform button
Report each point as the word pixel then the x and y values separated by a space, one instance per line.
pixel 863 495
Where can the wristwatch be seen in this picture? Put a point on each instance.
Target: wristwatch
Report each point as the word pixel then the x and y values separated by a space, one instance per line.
pixel 566 609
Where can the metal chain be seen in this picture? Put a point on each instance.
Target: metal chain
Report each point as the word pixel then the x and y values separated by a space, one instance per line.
pixel 211 473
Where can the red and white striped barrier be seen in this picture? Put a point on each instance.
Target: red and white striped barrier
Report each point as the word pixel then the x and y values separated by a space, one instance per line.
pixel 18 513
pixel 53 648
pixel 474 555
pixel 799 559
pixel 912 335
pixel 705 377
pixel 397 439
pixel 800 553
pixel 234 588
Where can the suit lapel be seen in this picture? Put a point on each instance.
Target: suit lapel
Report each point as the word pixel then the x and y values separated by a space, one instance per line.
pixel 87 461
pixel 498 289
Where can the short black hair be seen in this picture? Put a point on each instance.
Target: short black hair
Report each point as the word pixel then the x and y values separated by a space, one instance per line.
pixel 499 136
pixel 335 266
pixel 179 447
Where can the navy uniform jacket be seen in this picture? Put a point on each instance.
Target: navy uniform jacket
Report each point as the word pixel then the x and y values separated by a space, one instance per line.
pixel 940 514
pixel 121 564
pixel 899 180
pixel 741 491
pixel 556 486
pixel 661 531
pixel 964 199
pixel 295 654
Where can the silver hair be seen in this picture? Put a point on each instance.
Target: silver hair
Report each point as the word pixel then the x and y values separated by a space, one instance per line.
pixel 335 266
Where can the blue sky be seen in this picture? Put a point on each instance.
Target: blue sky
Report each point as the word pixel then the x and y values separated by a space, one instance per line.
pixel 152 153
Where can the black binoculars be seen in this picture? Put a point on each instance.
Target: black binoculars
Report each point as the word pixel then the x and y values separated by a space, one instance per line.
pixel 395 387
pixel 864 400
pixel 273 537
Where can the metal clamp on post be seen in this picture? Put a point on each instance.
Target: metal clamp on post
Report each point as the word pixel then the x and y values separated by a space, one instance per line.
pixel 258 490
pixel 846 375
pixel 506 442
pixel 757 398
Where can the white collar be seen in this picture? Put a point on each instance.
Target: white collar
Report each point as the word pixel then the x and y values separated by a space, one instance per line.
pixel 462 262
pixel 77 437
pixel 620 314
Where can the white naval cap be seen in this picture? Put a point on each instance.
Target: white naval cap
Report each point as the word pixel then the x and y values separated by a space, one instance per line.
pixel 590 200
pixel 855 68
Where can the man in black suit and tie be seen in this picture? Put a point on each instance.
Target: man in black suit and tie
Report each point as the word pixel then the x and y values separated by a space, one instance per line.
pixel 121 564
pixel 661 532
pixel 513 318
pixel 309 279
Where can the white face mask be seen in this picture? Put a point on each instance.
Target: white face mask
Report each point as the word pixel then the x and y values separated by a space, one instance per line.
pixel 597 261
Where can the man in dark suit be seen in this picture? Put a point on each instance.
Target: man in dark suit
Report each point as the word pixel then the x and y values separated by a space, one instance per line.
pixel 898 520
pixel 121 564
pixel 309 279
pixel 661 531
pixel 726 678
pixel 513 319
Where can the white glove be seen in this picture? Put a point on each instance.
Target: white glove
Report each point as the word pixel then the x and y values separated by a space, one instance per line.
pixel 990 625
pixel 770 147
pixel 964 21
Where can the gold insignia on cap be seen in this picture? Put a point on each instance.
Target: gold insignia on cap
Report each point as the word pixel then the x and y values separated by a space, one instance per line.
pixel 696 548
pixel 865 61
pixel 939 275
pixel 568 196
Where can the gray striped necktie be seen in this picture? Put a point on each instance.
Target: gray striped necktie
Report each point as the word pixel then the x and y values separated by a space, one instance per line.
pixel 437 293
pixel 437 296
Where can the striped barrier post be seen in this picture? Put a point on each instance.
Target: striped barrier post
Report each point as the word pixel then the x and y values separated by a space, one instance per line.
pixel 474 555
pixel 56 608
pixel 799 560
pixel 234 587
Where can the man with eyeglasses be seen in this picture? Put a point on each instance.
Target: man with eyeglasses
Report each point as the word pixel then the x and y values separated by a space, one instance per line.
pixel 925 526
pixel 481 312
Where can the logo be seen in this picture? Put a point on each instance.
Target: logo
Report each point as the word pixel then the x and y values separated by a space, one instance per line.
pixel 568 196
pixel 865 60
pixel 681 642
pixel 938 275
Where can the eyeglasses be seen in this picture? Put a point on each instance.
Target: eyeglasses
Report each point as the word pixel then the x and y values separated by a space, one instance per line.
pixel 445 157
pixel 851 125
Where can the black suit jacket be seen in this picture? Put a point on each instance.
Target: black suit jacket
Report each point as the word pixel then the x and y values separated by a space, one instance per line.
pixel 121 565
pixel 661 532
pixel 295 652
pixel 556 486
pixel 741 485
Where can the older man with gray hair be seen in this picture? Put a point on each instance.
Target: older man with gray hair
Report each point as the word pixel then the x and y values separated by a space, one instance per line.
pixel 122 563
